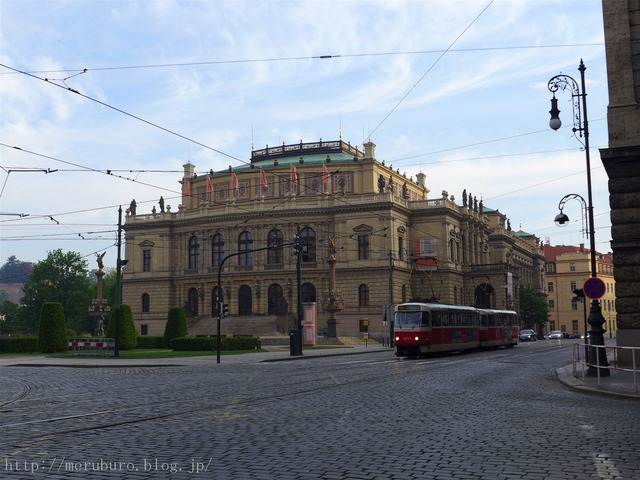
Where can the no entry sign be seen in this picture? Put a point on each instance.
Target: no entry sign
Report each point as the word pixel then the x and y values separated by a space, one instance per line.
pixel 594 288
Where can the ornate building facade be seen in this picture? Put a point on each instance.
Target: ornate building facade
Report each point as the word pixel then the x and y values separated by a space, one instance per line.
pixel 391 243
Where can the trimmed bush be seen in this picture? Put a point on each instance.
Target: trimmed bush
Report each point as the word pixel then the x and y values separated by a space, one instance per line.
pixel 128 334
pixel 52 336
pixel 19 345
pixel 176 325
pixel 203 344
pixel 145 341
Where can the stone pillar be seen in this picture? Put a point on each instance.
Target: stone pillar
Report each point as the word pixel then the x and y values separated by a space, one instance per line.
pixel 622 163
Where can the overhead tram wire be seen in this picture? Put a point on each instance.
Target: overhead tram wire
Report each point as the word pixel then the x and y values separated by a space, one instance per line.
pixel 430 68
pixel 119 110
pixel 79 71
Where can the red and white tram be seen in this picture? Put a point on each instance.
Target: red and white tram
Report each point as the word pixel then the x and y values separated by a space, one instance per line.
pixel 421 328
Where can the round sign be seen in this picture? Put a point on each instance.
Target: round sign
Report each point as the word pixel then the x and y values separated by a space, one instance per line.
pixel 594 288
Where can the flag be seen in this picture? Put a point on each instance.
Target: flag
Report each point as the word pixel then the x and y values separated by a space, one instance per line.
pixel 293 177
pixel 263 178
pixel 186 184
pixel 325 174
pixel 209 184
pixel 234 181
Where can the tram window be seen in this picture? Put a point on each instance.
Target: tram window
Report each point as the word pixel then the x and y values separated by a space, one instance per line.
pixel 425 319
pixel 436 319
pixel 483 321
pixel 408 319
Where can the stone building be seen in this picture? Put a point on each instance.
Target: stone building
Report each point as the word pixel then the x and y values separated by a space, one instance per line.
pixel 621 159
pixel 390 240
pixel 567 268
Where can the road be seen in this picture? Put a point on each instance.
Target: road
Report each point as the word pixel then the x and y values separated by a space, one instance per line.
pixel 489 415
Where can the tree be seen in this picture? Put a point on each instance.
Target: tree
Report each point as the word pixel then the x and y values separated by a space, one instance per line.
pixel 52 335
pixel 127 330
pixel 534 308
pixel 61 277
pixel 15 271
pixel 10 318
pixel 176 325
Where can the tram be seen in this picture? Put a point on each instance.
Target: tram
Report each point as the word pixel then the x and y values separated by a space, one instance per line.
pixel 421 328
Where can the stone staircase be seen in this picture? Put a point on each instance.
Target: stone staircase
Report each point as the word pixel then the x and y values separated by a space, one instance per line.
pixel 273 330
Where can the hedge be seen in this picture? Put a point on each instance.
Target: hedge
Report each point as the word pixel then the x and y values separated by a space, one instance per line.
pixel 150 342
pixel 19 345
pixel 201 344
pixel 176 325
pixel 127 330
pixel 52 336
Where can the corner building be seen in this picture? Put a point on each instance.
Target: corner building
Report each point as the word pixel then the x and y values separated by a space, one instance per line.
pixel 390 241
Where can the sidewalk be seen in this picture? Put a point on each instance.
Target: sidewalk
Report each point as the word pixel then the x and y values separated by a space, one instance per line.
pixel 618 383
pixel 274 355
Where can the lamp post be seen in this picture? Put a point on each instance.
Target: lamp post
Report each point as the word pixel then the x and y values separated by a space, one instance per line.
pixel 581 127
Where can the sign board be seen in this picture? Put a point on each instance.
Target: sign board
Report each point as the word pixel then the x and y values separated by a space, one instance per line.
pixel 594 288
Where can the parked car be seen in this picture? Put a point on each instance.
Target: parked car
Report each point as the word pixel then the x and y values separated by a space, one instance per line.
pixel 555 334
pixel 528 335
pixel 575 336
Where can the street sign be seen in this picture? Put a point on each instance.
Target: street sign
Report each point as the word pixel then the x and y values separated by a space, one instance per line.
pixel 594 288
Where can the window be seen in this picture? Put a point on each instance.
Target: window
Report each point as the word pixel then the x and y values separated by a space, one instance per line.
pixel 363 247
pixel 573 286
pixel 144 329
pixel 308 293
pixel 308 243
pixel 550 287
pixel 401 248
pixel 552 304
pixel 574 303
pixel 217 250
pixel 275 253
pixel 245 300
pixel 245 243
pixel 551 268
pixel 574 325
pixel 146 302
pixel 191 308
pixel 194 252
pixel 146 260
pixel 363 295
pixel 572 267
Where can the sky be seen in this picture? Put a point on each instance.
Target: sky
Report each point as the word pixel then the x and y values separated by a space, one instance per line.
pixel 457 90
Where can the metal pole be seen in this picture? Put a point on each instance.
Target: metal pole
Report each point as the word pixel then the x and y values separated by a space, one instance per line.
pixel 116 346
pixel 299 284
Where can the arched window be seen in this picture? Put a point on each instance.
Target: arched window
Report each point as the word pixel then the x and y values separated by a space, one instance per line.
pixel 191 308
pixel 245 243
pixel 308 243
pixel 214 302
pixel 217 250
pixel 308 293
pixel 363 295
pixel 194 252
pixel 245 300
pixel 146 302
pixel 275 239
pixel 276 301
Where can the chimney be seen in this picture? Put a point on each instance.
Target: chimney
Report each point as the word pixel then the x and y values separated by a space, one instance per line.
pixel 582 248
pixel 370 150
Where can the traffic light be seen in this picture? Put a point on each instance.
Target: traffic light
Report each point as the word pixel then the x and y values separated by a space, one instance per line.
pixel 295 245
pixel 579 293
pixel 225 310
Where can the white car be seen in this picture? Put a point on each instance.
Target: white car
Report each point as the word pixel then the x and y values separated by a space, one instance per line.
pixel 555 334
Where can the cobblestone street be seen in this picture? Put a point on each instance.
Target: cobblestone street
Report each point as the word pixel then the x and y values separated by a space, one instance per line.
pixel 489 415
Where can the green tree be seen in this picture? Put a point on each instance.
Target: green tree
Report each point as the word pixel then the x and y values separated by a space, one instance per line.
pixel 61 277
pixel 109 286
pixel 52 335
pixel 10 318
pixel 127 330
pixel 176 325
pixel 534 308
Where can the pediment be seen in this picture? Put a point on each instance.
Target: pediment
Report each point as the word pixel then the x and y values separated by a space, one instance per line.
pixel 362 228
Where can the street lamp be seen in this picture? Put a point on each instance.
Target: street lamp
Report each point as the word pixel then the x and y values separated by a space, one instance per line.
pixel 581 126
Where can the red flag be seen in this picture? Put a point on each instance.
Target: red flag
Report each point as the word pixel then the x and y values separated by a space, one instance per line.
pixel 234 181
pixel 263 178
pixel 209 184
pixel 293 177
pixel 186 184
pixel 325 174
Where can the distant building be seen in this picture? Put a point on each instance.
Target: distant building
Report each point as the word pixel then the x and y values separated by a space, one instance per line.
pixel 391 243
pixel 567 268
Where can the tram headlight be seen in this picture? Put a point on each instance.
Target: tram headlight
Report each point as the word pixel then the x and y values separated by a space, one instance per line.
pixel 417 338
pixel 397 339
